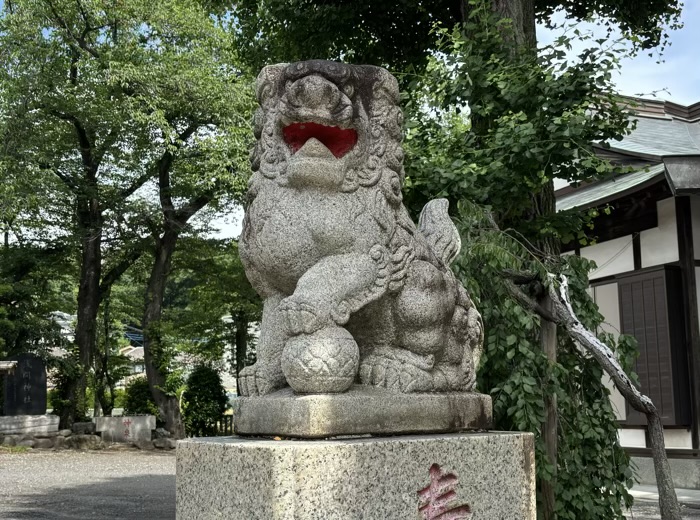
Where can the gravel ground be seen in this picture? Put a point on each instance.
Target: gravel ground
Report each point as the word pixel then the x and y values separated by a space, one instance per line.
pixel 124 485
pixel 87 485
pixel 647 510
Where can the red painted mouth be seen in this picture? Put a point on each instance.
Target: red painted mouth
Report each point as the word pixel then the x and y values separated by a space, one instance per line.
pixel 338 140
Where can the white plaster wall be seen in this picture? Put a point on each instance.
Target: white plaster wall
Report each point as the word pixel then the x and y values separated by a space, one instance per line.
pixel 616 399
pixel 608 302
pixel 695 219
pixel 612 257
pixel 677 438
pixel 607 299
pixel 660 244
pixel 632 438
pixel 559 183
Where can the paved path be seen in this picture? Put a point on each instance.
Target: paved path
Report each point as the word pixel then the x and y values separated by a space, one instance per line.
pixel 93 485
pixel 128 485
pixel 646 503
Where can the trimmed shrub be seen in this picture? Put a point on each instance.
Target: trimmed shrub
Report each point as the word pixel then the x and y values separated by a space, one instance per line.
pixel 138 399
pixel 204 401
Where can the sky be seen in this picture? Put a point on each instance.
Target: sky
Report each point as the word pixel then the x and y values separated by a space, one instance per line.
pixel 679 72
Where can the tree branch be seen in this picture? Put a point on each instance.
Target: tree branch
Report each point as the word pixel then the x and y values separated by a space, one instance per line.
pixel 564 316
pixel 80 40
pixel 519 277
pixel 111 276
pixel 184 214
pixel 138 182
pixel 164 165
pixel 86 149
pixel 525 301
pixel 64 178
pixel 668 502
pixel 165 190
pixel 109 140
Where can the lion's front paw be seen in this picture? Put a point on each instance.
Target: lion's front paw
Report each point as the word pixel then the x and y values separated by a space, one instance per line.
pixel 255 380
pixel 397 370
pixel 301 316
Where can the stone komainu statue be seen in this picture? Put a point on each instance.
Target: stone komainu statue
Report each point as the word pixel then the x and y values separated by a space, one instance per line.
pixel 353 292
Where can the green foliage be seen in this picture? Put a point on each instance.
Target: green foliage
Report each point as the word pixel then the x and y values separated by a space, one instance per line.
pixel 138 399
pixel 110 367
pixel 98 102
pixel 34 282
pixel 96 99
pixel 646 23
pixel 503 122
pixel 367 31
pixel 66 369
pixel 351 31
pixel 493 123
pixel 119 398
pixel 593 472
pixel 207 288
pixel 203 402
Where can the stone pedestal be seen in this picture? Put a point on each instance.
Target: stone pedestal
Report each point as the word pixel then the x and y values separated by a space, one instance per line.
pixel 492 475
pixel 125 429
pixel 362 410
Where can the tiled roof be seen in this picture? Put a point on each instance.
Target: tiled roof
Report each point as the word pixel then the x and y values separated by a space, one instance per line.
pixel 663 130
pixel 659 137
pixel 599 192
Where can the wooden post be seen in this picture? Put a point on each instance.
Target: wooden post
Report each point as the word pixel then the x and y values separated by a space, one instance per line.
pixel 686 255
pixel 548 340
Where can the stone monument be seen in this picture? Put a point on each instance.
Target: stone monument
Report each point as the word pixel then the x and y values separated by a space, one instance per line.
pixel 365 329
pixel 24 404
pixel 25 388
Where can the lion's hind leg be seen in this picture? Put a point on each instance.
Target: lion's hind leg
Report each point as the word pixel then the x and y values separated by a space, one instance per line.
pixel 419 359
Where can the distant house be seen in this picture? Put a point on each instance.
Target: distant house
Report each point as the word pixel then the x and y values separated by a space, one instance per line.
pixel 135 349
pixel 648 257
pixel 135 355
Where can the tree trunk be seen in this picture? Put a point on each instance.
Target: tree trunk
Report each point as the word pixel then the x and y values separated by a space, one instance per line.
pixel 156 373
pixel 241 324
pixel 522 12
pixel 668 502
pixel 103 380
pixel 90 222
pixel 523 37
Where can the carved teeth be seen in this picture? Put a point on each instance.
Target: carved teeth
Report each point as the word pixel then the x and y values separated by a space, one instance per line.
pixel 315 148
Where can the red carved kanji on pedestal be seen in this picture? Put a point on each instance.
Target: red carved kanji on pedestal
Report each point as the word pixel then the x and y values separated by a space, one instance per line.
pixel 127 427
pixel 437 498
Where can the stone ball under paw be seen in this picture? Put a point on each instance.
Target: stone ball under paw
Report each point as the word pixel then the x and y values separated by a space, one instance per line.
pixel 324 362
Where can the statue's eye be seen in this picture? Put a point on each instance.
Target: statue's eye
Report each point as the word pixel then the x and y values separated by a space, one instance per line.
pixel 348 90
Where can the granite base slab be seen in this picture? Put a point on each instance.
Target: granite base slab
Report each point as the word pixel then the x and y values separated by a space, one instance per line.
pixel 490 475
pixel 362 410
pixel 28 424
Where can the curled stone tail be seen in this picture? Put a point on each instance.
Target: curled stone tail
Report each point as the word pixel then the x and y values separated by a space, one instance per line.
pixel 439 230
